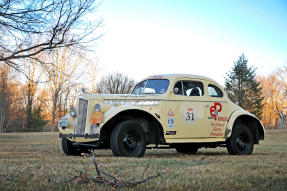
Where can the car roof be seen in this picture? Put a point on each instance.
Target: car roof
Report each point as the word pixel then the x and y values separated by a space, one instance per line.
pixel 172 77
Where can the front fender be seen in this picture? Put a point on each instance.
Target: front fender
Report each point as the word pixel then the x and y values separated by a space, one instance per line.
pixel 112 112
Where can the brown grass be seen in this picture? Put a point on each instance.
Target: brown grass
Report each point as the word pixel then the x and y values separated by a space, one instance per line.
pixel 29 160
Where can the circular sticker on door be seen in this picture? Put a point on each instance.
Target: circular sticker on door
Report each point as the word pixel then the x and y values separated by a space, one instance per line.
pixel 189 115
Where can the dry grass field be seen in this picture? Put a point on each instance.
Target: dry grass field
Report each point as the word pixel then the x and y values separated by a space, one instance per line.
pixel 33 161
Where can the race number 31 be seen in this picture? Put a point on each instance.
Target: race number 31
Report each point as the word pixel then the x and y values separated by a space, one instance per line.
pixel 189 115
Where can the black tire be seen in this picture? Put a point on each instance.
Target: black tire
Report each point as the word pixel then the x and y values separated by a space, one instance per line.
pixel 68 148
pixel 186 148
pixel 128 139
pixel 241 141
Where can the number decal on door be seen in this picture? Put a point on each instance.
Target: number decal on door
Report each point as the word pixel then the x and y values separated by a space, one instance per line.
pixel 189 115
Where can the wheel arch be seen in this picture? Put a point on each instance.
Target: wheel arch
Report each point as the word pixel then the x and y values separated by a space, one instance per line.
pixel 150 124
pixel 249 120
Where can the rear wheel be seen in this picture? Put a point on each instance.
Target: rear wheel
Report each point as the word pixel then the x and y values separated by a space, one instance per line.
pixel 241 141
pixel 186 148
pixel 128 139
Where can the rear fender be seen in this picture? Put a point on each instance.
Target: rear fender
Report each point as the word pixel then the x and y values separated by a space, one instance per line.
pixel 251 121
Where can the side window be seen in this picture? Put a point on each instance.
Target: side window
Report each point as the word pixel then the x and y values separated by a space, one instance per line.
pixel 178 88
pixel 188 88
pixel 214 91
pixel 192 88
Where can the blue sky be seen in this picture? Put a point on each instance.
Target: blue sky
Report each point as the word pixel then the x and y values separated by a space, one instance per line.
pixel 148 37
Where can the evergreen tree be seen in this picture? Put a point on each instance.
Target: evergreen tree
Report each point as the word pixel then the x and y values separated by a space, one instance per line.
pixel 242 87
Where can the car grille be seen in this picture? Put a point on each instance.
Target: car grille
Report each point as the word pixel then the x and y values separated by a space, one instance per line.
pixel 81 118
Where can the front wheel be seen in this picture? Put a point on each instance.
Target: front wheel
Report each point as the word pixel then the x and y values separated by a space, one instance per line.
pixel 128 139
pixel 241 141
pixel 68 147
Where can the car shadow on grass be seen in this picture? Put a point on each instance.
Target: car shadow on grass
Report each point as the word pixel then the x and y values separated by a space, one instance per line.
pixel 171 153
pixel 182 155
pixel 168 153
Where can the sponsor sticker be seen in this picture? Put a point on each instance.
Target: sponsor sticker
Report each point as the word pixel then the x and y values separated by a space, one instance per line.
pixel 170 113
pixel 170 133
pixel 170 122
pixel 170 119
pixel 215 110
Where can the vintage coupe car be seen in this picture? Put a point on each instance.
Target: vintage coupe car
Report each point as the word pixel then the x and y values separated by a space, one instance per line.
pixel 180 111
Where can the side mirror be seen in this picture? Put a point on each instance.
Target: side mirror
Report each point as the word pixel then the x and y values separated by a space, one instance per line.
pixel 175 90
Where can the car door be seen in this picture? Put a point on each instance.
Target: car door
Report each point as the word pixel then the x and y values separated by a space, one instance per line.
pixel 219 110
pixel 188 109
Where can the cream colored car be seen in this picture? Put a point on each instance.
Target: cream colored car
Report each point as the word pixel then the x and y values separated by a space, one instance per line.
pixel 180 111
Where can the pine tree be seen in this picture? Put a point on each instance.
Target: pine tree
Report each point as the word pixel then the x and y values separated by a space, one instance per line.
pixel 242 87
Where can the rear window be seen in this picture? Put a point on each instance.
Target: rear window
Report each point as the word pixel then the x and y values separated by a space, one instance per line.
pixel 214 91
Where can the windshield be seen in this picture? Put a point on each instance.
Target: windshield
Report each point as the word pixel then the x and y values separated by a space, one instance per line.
pixel 155 86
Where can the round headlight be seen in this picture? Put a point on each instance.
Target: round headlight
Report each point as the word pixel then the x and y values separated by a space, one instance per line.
pixel 73 112
pixel 97 107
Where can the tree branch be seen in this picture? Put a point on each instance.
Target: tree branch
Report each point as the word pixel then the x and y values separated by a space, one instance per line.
pixel 106 178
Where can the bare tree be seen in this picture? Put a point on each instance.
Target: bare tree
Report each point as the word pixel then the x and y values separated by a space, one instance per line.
pixel 283 82
pixel 92 72
pixel 33 75
pixel 115 84
pixel 273 91
pixel 62 75
pixel 282 74
pixel 54 23
pixel 5 72
pixel 17 104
